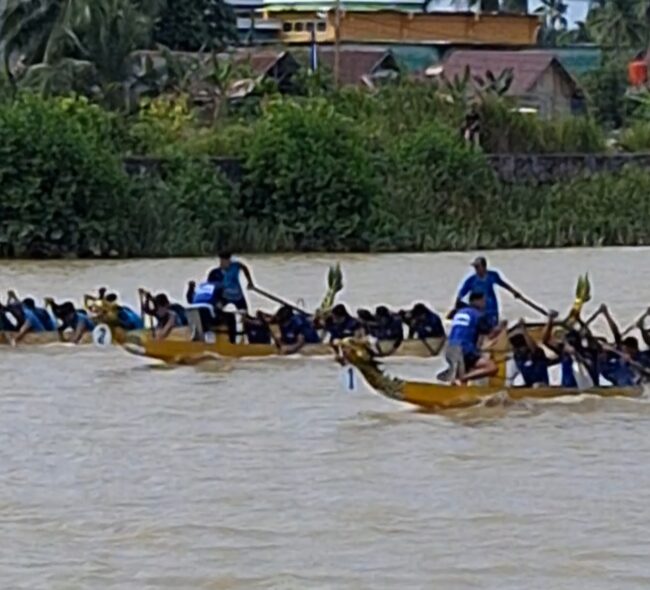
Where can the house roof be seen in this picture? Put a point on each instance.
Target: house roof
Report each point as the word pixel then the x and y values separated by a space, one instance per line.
pixel 260 61
pixel 527 66
pixel 356 64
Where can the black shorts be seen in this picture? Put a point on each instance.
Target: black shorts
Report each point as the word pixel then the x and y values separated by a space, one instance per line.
pixel 470 360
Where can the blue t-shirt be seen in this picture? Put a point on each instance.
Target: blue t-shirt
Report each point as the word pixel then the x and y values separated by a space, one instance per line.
pixel 83 319
pixel 533 369
pixel 467 325
pixel 47 320
pixel 297 325
pixel 430 326
pixel 618 372
pixel 344 329
pixel 392 330
pixel 228 279
pixel 566 367
pixel 485 285
pixel 34 321
pixel 128 319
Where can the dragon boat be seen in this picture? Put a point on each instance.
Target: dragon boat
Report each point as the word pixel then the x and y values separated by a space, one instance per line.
pixel 433 396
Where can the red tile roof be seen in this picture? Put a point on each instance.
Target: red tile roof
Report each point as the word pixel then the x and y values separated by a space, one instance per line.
pixel 527 66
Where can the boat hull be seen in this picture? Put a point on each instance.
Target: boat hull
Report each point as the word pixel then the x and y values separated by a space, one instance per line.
pixel 434 396
pixel 119 337
pixel 179 352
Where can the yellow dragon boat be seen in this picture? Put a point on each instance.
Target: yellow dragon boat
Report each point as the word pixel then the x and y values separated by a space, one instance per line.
pixel 119 336
pixel 189 352
pixel 439 397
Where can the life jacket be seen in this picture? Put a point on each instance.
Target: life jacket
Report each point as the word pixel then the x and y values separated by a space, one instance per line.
pixel 128 319
pixel 206 293
pixel 465 330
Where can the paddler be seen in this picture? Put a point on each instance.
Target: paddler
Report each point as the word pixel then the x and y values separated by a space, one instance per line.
pixel 256 329
pixel 570 350
pixel 73 319
pixel 617 361
pixel 530 359
pixel 423 323
pixel 27 320
pixel 41 313
pixel 296 330
pixel 468 326
pixel 168 315
pixel 484 281
pixel 127 318
pixel 226 275
pixel 340 324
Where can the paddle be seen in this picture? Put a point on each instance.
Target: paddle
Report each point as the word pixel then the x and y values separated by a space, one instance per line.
pixel 276 299
pixel 637 324
pixel 530 303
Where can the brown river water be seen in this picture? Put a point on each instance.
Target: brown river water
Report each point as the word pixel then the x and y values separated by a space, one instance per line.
pixel 266 474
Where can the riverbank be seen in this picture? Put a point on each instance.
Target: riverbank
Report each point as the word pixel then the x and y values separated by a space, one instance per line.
pixel 312 176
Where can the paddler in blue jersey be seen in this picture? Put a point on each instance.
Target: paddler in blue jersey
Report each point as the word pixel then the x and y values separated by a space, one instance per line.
pixel 296 330
pixel 127 318
pixel 340 324
pixel 27 320
pixel 423 323
pixel 484 281
pixel 468 325
pixel 167 315
pixel 226 276
pixel 44 316
pixel 530 359
pixel 72 319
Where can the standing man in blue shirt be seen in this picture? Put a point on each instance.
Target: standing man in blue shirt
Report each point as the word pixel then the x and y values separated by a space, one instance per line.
pixel 484 281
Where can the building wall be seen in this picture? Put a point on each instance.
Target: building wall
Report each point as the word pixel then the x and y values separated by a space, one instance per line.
pixel 403 27
pixel 555 93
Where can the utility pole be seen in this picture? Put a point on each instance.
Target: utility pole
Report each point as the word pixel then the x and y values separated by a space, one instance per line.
pixel 337 43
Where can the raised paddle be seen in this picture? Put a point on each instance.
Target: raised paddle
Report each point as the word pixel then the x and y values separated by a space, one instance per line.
pixel 530 303
pixel 276 299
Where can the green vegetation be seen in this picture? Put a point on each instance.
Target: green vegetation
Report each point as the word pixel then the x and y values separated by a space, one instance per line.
pixel 322 169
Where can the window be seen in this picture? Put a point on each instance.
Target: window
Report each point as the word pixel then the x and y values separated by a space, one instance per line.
pixel 321 27
pixel 286 27
pixel 299 27
pixel 310 27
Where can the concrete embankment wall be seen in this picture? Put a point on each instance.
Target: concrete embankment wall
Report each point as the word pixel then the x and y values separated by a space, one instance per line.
pixel 510 168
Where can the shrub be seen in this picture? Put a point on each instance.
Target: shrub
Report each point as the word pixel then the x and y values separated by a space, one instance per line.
pixel 63 189
pixel 308 172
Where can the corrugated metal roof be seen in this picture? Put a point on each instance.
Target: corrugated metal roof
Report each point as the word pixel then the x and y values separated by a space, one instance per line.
pixel 357 63
pixel 527 66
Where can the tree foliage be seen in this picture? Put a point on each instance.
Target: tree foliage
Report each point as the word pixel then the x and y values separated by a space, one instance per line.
pixel 193 25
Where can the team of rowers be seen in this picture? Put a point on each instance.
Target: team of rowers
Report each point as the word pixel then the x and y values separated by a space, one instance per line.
pixel 474 319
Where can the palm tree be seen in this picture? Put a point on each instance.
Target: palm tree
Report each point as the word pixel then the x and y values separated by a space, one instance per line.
pixel 618 24
pixel 44 31
pixel 555 21
pixel 97 57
